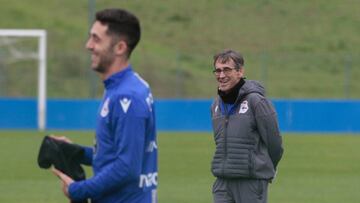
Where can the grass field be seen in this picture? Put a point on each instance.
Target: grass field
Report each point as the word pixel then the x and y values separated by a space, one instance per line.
pixel 314 169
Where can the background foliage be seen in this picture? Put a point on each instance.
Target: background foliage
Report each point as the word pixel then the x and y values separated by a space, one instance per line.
pixel 298 49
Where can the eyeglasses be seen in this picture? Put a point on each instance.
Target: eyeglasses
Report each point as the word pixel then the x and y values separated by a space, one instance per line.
pixel 225 70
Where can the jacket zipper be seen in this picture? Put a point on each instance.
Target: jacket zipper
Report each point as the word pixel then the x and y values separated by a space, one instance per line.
pixel 226 129
pixel 225 138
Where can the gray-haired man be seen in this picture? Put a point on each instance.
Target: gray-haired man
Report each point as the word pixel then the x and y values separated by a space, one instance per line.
pixel 248 142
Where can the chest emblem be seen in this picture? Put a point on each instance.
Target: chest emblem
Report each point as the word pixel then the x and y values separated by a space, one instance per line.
pixel 244 107
pixel 105 109
pixel 125 104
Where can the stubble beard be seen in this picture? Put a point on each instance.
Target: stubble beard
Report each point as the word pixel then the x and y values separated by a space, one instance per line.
pixel 105 60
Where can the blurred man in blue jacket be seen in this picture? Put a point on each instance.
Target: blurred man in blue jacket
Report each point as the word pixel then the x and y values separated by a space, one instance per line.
pixel 124 158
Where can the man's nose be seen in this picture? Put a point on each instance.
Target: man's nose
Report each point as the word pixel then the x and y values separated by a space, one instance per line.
pixel 89 45
pixel 222 74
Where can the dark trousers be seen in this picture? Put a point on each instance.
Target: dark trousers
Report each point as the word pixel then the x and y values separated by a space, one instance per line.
pixel 240 190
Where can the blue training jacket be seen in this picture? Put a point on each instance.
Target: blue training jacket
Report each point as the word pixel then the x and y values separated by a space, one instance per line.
pixel 124 159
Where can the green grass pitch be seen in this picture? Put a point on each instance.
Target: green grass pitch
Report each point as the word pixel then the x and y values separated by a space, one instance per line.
pixel 315 168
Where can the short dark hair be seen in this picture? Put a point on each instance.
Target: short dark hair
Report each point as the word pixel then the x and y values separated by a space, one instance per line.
pixel 123 24
pixel 227 55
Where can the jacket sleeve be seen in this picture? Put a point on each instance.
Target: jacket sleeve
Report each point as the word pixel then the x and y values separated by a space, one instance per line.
pixel 267 124
pixel 129 137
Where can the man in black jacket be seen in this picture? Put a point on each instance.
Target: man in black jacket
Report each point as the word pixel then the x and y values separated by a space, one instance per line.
pixel 246 133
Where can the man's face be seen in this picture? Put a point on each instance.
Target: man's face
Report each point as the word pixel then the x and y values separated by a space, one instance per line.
pixel 101 47
pixel 226 75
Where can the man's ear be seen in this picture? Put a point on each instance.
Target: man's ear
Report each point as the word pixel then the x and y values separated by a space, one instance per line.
pixel 241 72
pixel 120 48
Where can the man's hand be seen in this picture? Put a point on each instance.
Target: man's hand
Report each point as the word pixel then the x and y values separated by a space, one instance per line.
pixel 61 138
pixel 65 181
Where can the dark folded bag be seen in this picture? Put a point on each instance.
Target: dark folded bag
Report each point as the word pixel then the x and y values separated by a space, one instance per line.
pixel 64 156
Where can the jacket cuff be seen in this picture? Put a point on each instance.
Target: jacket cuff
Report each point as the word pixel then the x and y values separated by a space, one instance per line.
pixel 75 192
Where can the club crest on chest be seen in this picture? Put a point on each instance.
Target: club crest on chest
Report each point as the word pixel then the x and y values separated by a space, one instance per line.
pixel 105 108
pixel 244 107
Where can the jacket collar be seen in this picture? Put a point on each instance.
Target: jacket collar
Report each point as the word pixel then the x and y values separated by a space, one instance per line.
pixel 232 95
pixel 117 77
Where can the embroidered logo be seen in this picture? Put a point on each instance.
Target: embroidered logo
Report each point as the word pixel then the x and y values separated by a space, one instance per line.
pixel 244 107
pixel 105 109
pixel 125 104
